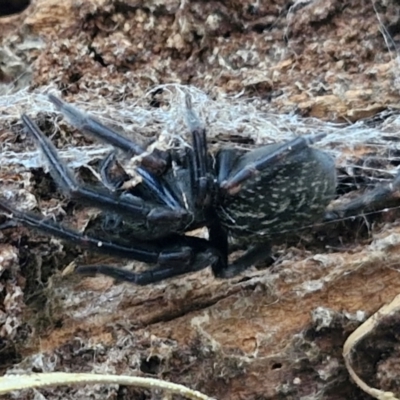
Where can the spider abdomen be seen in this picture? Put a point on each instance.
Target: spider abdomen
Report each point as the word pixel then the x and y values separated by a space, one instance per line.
pixel 291 194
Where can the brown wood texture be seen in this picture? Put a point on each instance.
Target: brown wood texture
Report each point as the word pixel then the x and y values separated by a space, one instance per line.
pixel 275 333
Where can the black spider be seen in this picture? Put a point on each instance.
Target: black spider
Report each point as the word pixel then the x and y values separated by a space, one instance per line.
pixel 251 196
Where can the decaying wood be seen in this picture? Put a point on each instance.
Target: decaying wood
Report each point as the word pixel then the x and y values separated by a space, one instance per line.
pixel 268 334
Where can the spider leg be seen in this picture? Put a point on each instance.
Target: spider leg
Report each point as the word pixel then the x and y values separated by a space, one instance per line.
pixel 257 253
pixel 174 256
pixel 383 196
pixel 218 238
pixel 90 125
pixel 153 275
pixel 233 184
pixel 126 204
pixel 158 190
pixel 154 164
pixel 204 186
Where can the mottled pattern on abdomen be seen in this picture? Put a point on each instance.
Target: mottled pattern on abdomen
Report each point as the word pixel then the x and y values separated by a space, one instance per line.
pixel 284 198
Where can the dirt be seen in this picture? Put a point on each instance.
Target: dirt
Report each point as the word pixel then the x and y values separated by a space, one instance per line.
pixel 273 333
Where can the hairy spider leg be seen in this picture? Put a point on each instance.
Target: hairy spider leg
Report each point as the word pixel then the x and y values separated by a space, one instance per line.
pixel 175 256
pixel 383 196
pixel 234 183
pixel 129 205
pixel 90 125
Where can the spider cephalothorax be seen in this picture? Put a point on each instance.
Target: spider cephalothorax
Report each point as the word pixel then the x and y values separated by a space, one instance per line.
pixel 249 195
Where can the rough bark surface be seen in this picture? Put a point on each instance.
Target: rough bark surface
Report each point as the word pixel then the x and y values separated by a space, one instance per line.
pixel 275 333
